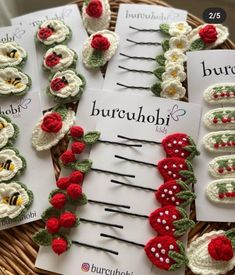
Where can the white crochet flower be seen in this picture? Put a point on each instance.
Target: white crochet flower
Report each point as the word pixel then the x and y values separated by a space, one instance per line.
pixel 172 90
pixel 175 56
pixel 179 42
pixel 174 72
pixel 6 132
pixel 13 200
pixel 11 54
pixel 179 28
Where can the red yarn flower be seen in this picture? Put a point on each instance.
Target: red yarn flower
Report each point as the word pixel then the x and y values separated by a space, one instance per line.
pixel 57 84
pixel 76 177
pixel 100 43
pixel 68 219
pixel 78 147
pixel 44 33
pixel 59 245
pixel 52 123
pixel 220 249
pixel 67 157
pixel 94 8
pixel 63 183
pixel 76 131
pixel 53 225
pixel 208 34
pixel 58 200
pixel 74 191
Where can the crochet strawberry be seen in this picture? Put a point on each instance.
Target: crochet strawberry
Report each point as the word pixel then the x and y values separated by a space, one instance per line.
pixel 170 220
pixel 174 192
pixel 176 168
pixel 180 145
pixel 166 252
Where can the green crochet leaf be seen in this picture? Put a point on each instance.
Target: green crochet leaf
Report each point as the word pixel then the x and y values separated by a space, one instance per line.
pixel 189 176
pixel 62 110
pixel 156 88
pixel 158 72
pixel 231 235
pixel 82 200
pixel 182 226
pixel 188 196
pixel 83 166
pixel 164 28
pixel 42 237
pixel 165 45
pixel 197 45
pixel 50 212
pixel 96 59
pixel 91 137
pixel 161 59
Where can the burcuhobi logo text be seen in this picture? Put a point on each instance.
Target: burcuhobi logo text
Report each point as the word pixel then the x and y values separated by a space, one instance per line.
pixel 86 267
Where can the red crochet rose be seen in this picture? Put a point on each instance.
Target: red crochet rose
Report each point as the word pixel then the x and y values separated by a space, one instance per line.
pixel 68 219
pixel 220 249
pixel 59 245
pixel 94 8
pixel 52 123
pixel 63 183
pixel 100 43
pixel 53 225
pixel 58 200
pixel 208 34
pixel 76 131
pixel 67 157
pixel 44 33
pixel 78 147
pixel 74 191
pixel 76 177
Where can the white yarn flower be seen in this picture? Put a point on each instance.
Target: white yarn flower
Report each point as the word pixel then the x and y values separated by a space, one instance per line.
pixel 174 72
pixel 179 42
pixel 6 132
pixel 172 90
pixel 179 28
pixel 175 56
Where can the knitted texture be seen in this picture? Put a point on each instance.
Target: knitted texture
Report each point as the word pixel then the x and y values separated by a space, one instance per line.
pixel 76 132
pixel 8 131
pixel 222 93
pixel 59 245
pixel 180 145
pixel 78 147
pixel 171 221
pixel 223 167
pixel 220 119
pixel 96 15
pixel 174 192
pixel 58 200
pixel 220 142
pixel 209 255
pixel 221 191
pixel 166 253
pixel 53 225
pixel 68 219
pixel 93 58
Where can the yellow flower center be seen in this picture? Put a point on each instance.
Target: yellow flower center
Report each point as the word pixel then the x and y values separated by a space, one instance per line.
pixel 174 57
pixel 180 26
pixel 180 45
pixel 171 91
pixel 174 73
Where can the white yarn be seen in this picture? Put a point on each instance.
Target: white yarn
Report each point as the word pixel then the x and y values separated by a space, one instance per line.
pixel 213 167
pixel 6 132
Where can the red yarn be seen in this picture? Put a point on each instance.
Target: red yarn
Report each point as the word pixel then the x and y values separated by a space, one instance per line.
pixel 100 43
pixel 94 8
pixel 52 60
pixel 59 245
pixel 53 225
pixel 63 183
pixel 44 33
pixel 220 249
pixel 165 243
pixel 76 131
pixel 162 220
pixel 57 84
pixel 166 193
pixel 76 177
pixel 68 219
pixel 58 200
pixel 67 157
pixel 74 191
pixel 52 123
pixel 78 147
pixel 208 34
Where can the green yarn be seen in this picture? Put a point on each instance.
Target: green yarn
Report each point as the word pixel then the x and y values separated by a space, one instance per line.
pixel 91 137
pixel 165 45
pixel 82 200
pixel 42 237
pixel 164 28
pixel 158 72
pixel 197 45
pixel 96 59
pixel 160 59
pixel 83 166
pixel 156 88
pixel 50 212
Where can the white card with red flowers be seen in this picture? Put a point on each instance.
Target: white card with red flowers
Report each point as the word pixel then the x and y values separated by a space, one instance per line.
pixel 38 175
pixel 72 18
pixel 138 117
pixel 211 84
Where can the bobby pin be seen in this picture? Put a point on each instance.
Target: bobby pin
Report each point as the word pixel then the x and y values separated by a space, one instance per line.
pixel 138 57
pixel 119 143
pixel 136 161
pixel 133 87
pixel 144 43
pixel 140 140
pixel 135 71
pixel 144 30
pixel 101 223
pixel 134 186
pixel 110 204
pixel 112 172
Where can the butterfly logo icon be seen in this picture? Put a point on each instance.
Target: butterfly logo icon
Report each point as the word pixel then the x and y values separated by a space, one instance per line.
pixel 176 113
pixel 19 33
pixel 24 103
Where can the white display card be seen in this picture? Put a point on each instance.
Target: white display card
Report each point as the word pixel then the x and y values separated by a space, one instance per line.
pixel 206 68
pixel 137 117
pixel 71 16
pixel 143 17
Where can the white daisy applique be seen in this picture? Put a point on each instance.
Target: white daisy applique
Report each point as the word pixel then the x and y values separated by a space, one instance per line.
pixel 8 131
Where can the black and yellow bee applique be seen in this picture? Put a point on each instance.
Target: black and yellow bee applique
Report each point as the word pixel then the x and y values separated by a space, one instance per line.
pixel 13 81
pixel 8 131
pixel 12 54
pixel 15 199
pixel 11 163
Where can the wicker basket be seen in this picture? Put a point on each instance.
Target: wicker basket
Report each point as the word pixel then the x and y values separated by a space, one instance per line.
pixel 17 250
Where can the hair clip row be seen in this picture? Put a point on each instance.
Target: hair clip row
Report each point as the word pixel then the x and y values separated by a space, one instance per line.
pixel 222 167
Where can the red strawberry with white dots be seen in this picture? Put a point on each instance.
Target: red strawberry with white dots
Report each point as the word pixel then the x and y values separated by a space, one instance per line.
pixel 180 145
pixel 176 168
pixel 170 220
pixel 166 253
pixel 174 192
